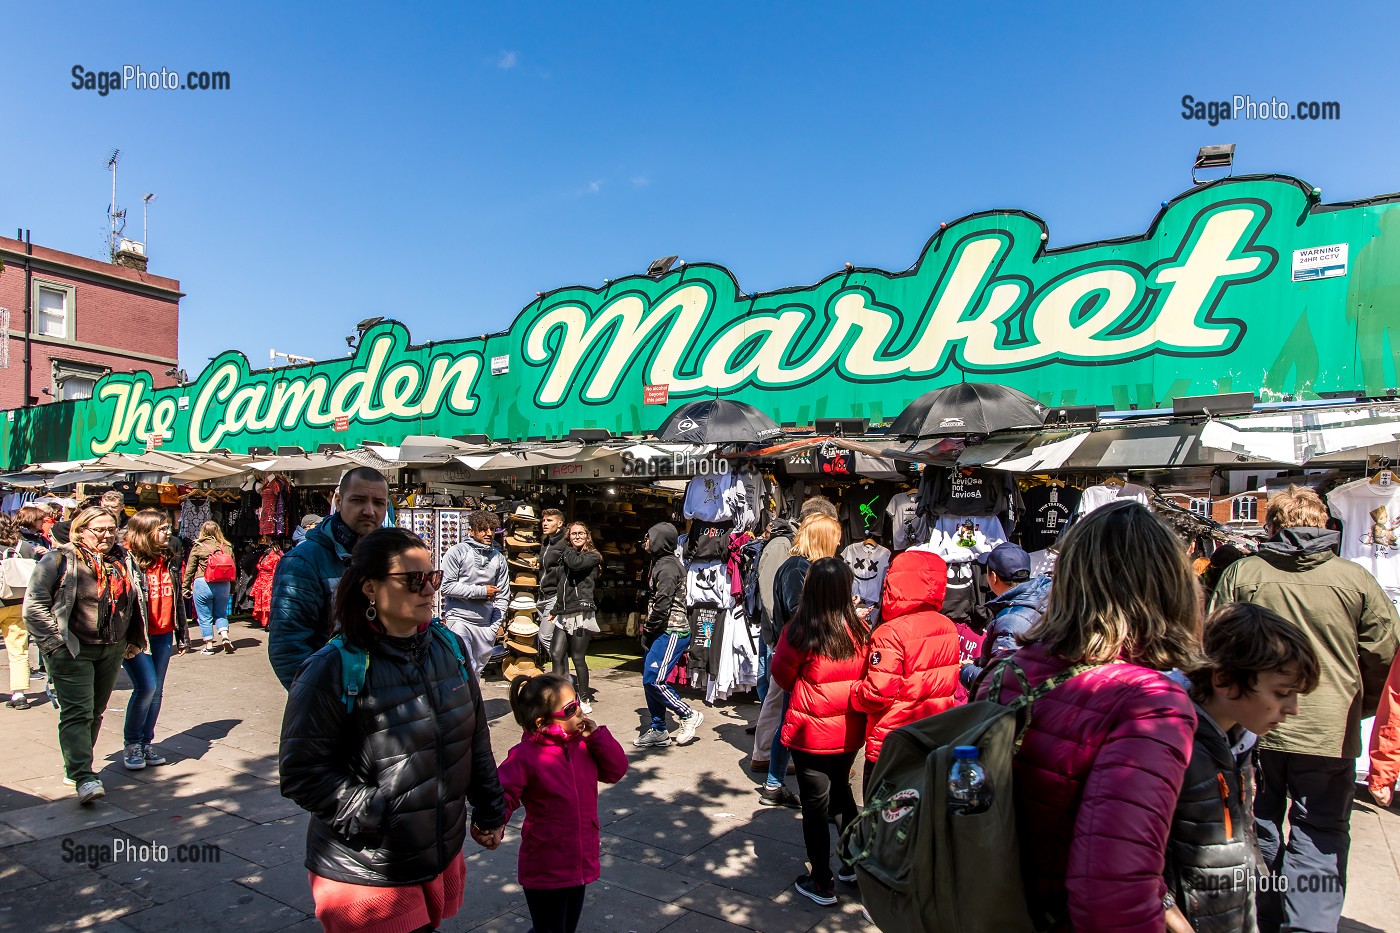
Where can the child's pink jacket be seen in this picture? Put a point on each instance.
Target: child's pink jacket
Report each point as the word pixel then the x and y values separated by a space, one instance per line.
pixel 556 778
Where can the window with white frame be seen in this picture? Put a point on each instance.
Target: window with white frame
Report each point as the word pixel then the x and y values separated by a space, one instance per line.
pixel 1244 509
pixel 75 380
pixel 1201 506
pixel 53 310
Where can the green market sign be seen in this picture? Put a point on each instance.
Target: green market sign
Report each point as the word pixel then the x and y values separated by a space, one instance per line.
pixel 1248 284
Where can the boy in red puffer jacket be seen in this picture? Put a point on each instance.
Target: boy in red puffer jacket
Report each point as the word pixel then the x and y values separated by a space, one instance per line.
pixel 913 671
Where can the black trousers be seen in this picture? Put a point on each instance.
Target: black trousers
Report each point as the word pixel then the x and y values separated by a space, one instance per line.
pixel 555 910
pixel 1315 793
pixel 566 646
pixel 824 783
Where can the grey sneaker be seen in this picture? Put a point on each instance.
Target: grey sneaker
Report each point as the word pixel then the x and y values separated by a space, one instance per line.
pixel 152 756
pixel 90 790
pixel 689 724
pixel 779 797
pixel 135 758
pixel 652 738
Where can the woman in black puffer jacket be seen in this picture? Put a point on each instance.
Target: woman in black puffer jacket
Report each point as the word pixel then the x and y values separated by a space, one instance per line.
pixel 387 782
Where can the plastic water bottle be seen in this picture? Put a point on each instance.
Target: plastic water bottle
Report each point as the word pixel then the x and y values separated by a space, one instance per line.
pixel 968 788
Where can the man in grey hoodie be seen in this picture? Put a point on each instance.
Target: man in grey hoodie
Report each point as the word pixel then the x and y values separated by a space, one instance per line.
pixel 476 588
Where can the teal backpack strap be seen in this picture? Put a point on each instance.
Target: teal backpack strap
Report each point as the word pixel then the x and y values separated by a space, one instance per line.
pixel 354 665
pixel 444 635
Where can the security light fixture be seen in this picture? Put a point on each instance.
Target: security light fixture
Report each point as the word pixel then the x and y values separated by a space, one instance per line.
pixel 590 435
pixel 480 439
pixel 290 452
pixel 1230 403
pixel 841 427
pixel 1067 415
pixel 367 323
pixel 259 451
pixel 331 449
pixel 661 266
pixel 1214 157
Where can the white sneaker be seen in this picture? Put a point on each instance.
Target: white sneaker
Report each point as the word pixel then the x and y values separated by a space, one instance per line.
pixel 689 724
pixel 90 790
pixel 586 707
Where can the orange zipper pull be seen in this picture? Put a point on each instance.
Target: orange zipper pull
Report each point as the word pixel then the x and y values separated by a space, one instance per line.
pixel 1225 802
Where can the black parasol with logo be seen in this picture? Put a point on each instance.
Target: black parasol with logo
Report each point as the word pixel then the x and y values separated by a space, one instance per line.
pixel 968 408
pixel 717 421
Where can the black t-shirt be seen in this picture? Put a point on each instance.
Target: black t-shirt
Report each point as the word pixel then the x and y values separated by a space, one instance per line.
pixel 969 492
pixel 1047 513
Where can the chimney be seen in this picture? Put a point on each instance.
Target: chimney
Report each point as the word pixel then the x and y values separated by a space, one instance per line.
pixel 131 254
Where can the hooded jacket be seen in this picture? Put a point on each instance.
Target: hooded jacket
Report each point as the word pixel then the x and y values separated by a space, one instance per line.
pixel 820 718
pixel 555 777
pixel 467 569
pixel 387 786
pixel 666 608
pixel 299 622
pixel 775 552
pixel 1095 784
pixel 1016 611
pixel 913 653
pixel 1349 621
pixel 551 565
pixel 1210 858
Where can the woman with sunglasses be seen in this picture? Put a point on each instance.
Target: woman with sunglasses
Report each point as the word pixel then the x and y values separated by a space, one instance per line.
pixel 387 773
pixel 82 609
pixel 554 773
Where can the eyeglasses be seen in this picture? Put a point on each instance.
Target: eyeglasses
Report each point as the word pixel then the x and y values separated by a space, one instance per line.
pixel 569 711
pixel 101 532
pixel 415 580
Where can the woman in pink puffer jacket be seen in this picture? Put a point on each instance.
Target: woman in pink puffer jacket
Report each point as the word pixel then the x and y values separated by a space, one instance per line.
pixel 1101 764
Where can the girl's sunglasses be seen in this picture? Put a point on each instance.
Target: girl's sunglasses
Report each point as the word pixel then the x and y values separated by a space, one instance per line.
pixel 569 711
pixel 415 580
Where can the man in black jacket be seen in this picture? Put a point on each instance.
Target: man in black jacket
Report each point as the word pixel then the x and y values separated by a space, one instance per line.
pixel 667 619
pixel 551 565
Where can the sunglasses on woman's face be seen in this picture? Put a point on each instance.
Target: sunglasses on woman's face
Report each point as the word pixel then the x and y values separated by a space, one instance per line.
pixel 415 580
pixel 569 711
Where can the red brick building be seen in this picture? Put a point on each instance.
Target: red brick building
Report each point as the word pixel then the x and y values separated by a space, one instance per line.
pixel 87 318
pixel 1243 510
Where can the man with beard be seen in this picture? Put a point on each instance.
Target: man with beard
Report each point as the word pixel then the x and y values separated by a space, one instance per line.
pixel 303 587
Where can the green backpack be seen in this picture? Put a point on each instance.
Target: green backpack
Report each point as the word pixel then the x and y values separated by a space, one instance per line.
pixel 354 663
pixel 922 867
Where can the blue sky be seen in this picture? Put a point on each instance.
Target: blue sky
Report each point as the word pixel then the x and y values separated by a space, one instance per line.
pixel 442 164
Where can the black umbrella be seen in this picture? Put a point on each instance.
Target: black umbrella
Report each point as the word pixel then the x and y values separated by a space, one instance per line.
pixel 968 408
pixel 717 421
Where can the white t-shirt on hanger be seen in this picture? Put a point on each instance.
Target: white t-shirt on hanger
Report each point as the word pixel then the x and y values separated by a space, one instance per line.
pixel 1370 517
pixel 1098 496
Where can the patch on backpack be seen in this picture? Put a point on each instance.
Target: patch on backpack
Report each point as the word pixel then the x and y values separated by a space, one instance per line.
pixel 874 659
pixel 900 805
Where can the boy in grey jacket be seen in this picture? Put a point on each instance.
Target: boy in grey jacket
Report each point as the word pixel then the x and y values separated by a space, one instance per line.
pixel 476 588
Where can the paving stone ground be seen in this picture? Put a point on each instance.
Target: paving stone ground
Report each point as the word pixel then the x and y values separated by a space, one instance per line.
pixel 686 847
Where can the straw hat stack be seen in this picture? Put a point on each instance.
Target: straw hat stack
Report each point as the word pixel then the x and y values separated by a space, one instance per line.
pixel 523 558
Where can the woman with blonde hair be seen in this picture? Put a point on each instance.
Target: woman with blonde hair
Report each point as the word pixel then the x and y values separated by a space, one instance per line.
pixel 1108 748
pixel 80 607
pixel 211 596
pixel 156 556
pixel 817 537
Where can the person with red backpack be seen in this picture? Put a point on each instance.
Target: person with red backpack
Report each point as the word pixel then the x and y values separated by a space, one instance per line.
pixel 209 575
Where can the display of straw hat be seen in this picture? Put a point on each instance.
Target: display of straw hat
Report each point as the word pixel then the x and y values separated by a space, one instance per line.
pixel 525 512
pixel 521 538
pixel 524 602
pixel 524 580
pixel 514 666
pixel 525 560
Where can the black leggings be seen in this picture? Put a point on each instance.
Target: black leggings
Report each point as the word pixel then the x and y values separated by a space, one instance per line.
pixel 555 910
pixel 824 783
pixel 565 646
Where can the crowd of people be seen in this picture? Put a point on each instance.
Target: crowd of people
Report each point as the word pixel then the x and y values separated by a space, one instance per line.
pixel 1192 737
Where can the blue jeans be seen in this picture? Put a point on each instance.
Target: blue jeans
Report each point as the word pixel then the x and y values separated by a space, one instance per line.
pixel 764 653
pixel 662 658
pixel 1314 794
pixel 211 606
pixel 147 673
pixel 779 755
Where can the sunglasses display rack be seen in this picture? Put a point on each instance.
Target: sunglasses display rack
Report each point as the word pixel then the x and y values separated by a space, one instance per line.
pixel 440 529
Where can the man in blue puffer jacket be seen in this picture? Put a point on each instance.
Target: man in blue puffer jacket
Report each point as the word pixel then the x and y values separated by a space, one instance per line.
pixel 1018 604
pixel 305 581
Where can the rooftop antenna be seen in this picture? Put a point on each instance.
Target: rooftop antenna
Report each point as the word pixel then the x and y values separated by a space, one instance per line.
pixel 146 200
pixel 116 218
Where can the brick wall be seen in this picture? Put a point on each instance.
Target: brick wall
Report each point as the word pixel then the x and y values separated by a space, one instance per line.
pixel 1221 507
pixel 123 319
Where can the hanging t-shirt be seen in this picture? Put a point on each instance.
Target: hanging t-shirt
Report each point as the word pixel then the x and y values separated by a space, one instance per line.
pixel 863 513
pixel 161 588
pixel 964 593
pixel 706 499
pixel 1047 511
pixel 707 583
pixel 902 516
pixel 969 649
pixel 1096 497
pixel 1370 516
pixel 958 538
pixel 969 492
pixel 869 563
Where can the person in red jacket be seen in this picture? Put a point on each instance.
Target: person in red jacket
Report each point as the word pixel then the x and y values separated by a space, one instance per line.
pixel 913 671
pixel 819 659
pixel 1101 764
pixel 1385 740
pixel 554 772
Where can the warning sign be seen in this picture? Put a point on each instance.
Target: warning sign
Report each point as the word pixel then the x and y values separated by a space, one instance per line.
pixel 1319 262
pixel 656 395
pixel 342 423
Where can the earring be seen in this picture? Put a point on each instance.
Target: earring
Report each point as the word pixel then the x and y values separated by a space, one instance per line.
pixel 371 613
